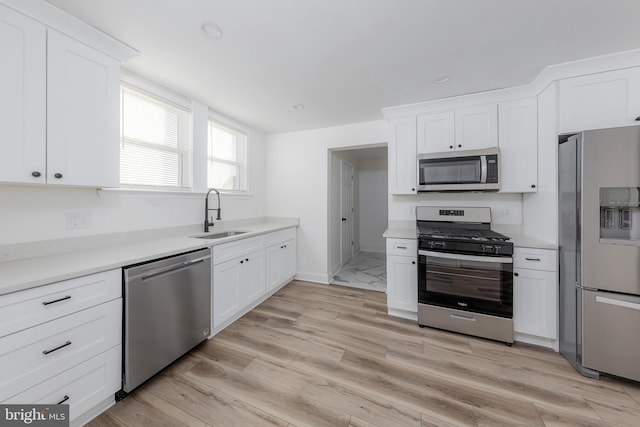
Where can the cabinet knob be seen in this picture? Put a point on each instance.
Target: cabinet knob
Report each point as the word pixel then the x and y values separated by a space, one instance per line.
pixel 413 189
pixel 413 262
pixel 638 119
pixel 533 186
pixel 241 261
pixel 36 174
pixel 246 259
pixel 58 175
pixel 459 145
pixel 515 274
pixel 451 147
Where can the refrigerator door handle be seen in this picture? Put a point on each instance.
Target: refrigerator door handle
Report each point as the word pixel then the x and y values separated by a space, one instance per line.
pixel 617 302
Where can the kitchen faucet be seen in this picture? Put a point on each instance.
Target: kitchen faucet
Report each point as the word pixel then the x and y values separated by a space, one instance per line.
pixel 208 222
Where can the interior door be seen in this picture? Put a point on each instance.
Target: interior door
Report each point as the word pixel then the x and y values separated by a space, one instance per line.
pixel 346 234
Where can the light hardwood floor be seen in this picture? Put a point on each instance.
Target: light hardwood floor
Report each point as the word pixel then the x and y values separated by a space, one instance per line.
pixel 319 355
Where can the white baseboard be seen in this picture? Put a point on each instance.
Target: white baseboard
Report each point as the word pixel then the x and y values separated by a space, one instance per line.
pixel 539 341
pixel 312 277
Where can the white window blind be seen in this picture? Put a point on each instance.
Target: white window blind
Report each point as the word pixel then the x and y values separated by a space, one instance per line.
pixel 154 142
pixel 227 158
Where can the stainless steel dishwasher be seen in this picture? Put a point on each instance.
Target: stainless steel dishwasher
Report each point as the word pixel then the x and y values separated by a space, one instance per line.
pixel 167 312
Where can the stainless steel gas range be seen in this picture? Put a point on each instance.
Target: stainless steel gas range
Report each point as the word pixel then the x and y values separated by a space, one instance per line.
pixel 465 273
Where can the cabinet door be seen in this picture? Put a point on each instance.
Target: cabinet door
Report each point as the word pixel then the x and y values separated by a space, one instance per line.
pixel 227 292
pixel 288 260
pixel 476 127
pixel 253 276
pixel 518 143
pixel 23 98
pixel 601 100
pixel 83 114
pixel 402 156
pixel 402 283
pixel 436 133
pixel 535 303
pixel 273 274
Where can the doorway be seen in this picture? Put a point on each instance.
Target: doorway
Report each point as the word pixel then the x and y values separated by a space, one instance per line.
pixel 358 216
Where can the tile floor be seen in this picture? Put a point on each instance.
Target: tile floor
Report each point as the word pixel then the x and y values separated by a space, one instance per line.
pixel 366 270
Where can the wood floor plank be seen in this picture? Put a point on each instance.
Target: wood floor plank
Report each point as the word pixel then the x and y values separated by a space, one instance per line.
pixel 319 355
pixel 482 399
pixel 210 405
pixel 363 405
pixel 293 407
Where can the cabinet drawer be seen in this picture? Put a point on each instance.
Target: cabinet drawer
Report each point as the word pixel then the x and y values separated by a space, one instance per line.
pixel 280 236
pixel 402 247
pixel 227 251
pixel 31 356
pixel 535 259
pixel 83 386
pixel 24 309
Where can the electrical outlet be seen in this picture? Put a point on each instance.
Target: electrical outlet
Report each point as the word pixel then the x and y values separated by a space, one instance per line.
pixel 78 220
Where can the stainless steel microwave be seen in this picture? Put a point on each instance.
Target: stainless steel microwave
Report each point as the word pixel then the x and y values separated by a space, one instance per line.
pixel 470 170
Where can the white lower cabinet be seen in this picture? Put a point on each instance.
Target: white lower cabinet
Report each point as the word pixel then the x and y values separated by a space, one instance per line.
pixel 245 272
pixel 402 278
pixel 63 344
pixel 82 387
pixel 535 297
pixel 280 258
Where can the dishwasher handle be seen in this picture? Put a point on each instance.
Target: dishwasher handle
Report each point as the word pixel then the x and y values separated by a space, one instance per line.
pixel 165 271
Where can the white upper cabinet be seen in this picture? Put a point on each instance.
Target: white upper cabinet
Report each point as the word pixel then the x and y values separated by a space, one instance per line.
pixel 402 156
pixel 477 127
pixel 436 132
pixel 601 100
pixel 518 143
pixel 469 128
pixel 23 101
pixel 82 114
pixel 59 109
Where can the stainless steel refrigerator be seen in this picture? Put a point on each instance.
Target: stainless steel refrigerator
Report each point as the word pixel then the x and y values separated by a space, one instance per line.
pixel 599 237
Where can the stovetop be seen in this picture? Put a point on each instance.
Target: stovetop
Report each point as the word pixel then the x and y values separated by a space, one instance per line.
pixel 452 232
pixel 463 238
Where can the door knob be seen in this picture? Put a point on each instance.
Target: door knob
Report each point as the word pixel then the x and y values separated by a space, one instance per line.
pixel 344 219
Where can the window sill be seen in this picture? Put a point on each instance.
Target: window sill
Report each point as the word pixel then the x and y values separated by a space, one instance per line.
pixel 138 193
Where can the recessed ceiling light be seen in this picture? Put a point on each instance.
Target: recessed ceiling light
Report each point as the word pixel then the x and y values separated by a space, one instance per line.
pixel 443 78
pixel 298 107
pixel 212 31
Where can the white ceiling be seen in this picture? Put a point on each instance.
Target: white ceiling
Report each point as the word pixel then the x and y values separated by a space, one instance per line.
pixel 346 59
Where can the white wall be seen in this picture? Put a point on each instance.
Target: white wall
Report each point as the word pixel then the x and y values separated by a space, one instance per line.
pixel 32 213
pixel 297 171
pixel 373 204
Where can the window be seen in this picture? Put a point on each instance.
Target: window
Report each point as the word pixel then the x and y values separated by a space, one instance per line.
pixel 227 158
pixel 154 142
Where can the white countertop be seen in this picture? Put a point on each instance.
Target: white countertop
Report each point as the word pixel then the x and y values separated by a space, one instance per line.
pixel 520 238
pixel 30 272
pixel 401 230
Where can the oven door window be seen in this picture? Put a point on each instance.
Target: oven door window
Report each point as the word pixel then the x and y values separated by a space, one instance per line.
pixel 464 279
pixel 461 170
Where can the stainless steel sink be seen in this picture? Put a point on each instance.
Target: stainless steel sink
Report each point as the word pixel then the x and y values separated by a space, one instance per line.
pixel 220 235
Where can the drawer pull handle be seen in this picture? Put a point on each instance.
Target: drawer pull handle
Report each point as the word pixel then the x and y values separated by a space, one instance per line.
pixel 56 300
pixel 63 400
pixel 461 317
pixel 57 348
pixel 401 247
pixel 532 259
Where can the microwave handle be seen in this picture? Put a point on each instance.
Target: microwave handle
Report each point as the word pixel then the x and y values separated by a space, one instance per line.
pixel 483 169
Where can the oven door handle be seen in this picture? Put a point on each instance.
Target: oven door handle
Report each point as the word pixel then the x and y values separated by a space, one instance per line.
pixel 494 259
